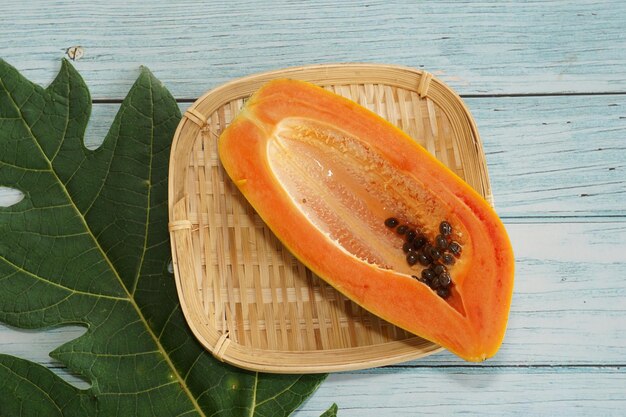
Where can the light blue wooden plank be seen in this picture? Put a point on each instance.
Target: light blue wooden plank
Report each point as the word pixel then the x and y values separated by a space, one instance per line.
pixel 520 391
pixel 489 47
pixel 547 156
pixel 555 156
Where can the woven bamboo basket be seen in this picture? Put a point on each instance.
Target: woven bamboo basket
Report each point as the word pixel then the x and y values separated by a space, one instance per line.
pixel 246 298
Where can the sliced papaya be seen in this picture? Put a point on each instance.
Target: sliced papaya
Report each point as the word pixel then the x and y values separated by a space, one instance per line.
pixel 374 214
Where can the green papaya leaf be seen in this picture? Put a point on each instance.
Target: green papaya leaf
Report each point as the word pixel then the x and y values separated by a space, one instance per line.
pixel 88 245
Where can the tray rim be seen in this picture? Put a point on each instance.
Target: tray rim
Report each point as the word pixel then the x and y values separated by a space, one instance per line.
pixel 275 361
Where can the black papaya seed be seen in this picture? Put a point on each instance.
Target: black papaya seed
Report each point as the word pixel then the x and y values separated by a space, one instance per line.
pixel 455 248
pixel 443 292
pixel 402 229
pixel 424 259
pixel 445 228
pixel 434 283
pixel 434 253
pixel 439 269
pixel 419 242
pixel 441 242
pixel 411 258
pixel 391 222
pixel 428 274
pixel 445 280
pixel 448 259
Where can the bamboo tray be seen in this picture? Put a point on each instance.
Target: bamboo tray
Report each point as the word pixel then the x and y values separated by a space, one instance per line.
pixel 245 297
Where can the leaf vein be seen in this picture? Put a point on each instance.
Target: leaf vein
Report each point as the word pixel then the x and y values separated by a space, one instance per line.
pixel 3 163
pixel 18 268
pixel 115 355
pixel 254 391
pixel 46 394
pixel 200 354
pixel 145 391
pixel 67 119
pixel 148 198
pixel 279 393
pixel 169 317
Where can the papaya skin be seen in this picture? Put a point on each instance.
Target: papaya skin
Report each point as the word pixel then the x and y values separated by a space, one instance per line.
pixel 473 321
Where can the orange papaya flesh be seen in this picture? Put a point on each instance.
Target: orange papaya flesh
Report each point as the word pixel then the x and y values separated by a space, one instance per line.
pixel 325 173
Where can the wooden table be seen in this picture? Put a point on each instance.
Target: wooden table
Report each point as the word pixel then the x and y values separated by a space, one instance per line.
pixel 546 83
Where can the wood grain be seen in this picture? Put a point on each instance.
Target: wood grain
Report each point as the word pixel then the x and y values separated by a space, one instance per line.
pixel 473 391
pixel 547 156
pixel 555 156
pixel 486 48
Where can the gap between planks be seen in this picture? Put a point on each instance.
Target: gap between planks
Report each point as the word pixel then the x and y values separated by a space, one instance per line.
pixel 460 366
pixel 463 96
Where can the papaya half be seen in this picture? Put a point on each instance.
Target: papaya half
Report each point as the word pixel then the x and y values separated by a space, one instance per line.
pixel 374 214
